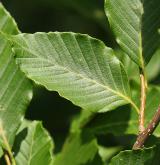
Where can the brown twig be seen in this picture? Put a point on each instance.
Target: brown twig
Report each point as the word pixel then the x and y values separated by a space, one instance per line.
pixel 143 102
pixel 143 136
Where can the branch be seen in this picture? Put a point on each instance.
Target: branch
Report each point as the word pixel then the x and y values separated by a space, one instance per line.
pixel 143 136
pixel 143 102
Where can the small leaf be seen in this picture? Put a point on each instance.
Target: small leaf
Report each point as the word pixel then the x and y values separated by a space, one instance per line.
pixel 107 153
pixel 80 148
pixel 153 68
pixel 129 65
pixel 145 156
pixel 15 89
pixel 80 120
pixel 82 69
pixel 33 145
pixel 135 24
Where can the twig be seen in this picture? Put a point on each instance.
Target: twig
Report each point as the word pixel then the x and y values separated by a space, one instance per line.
pixel 142 137
pixel 143 102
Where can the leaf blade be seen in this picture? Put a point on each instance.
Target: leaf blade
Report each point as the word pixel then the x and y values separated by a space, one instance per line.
pixel 79 148
pixel 15 89
pixel 33 145
pixel 79 67
pixel 144 156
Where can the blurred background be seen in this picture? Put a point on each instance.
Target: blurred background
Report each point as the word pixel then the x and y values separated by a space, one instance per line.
pixel 82 16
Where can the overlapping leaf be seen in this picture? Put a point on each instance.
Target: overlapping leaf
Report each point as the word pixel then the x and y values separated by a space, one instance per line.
pixel 107 153
pixel 80 68
pixel 146 156
pixel 123 120
pixel 135 24
pixel 80 148
pixel 15 89
pixel 153 68
pixel 33 145
pixel 129 65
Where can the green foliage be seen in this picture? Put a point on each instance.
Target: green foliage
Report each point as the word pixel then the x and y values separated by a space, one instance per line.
pixel 33 145
pixel 15 89
pixel 79 148
pixel 103 81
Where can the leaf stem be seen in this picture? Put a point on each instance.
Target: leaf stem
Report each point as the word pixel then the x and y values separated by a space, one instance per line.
pixel 7 159
pixel 142 101
pixel 134 106
pixel 8 155
pixel 143 136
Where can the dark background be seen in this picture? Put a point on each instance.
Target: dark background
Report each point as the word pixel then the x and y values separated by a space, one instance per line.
pixel 83 16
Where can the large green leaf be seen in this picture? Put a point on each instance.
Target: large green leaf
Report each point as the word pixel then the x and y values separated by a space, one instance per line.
pixel 135 24
pixel 15 89
pixel 33 145
pixel 123 120
pixel 146 156
pixel 80 148
pixel 82 69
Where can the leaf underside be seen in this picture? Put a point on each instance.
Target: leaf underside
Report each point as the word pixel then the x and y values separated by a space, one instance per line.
pixel 80 68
